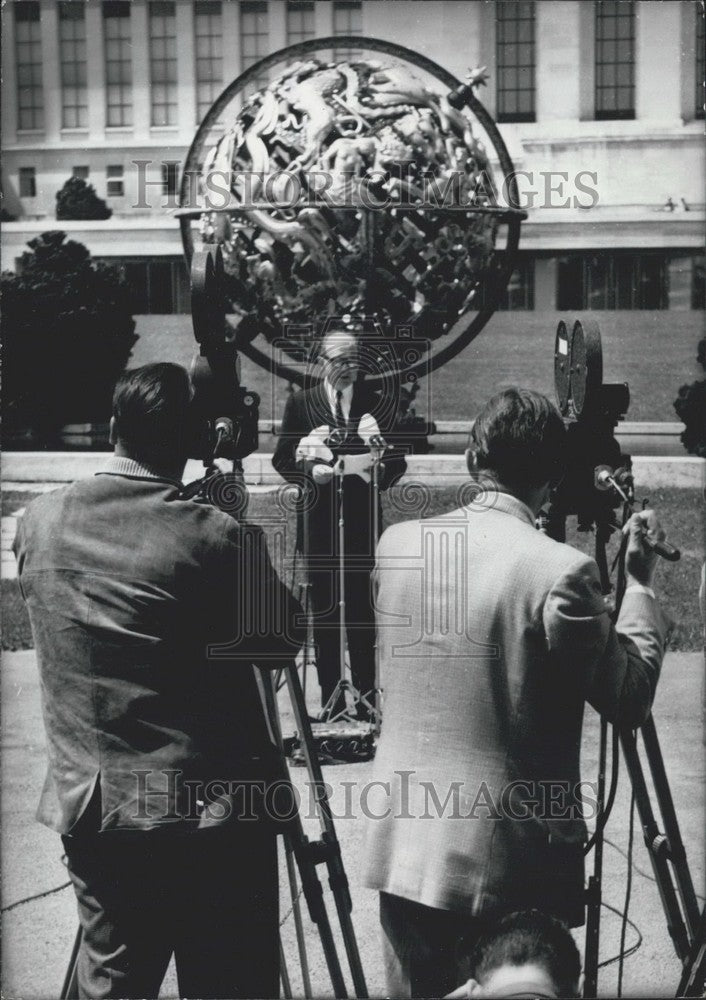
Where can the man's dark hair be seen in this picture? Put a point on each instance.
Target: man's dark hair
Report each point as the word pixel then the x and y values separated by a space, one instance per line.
pixel 530 937
pixel 520 437
pixel 151 407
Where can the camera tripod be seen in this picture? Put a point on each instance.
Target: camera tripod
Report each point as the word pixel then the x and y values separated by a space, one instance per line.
pixel 668 859
pixel 300 853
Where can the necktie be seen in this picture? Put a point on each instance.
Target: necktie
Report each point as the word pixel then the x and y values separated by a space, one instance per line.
pixel 340 419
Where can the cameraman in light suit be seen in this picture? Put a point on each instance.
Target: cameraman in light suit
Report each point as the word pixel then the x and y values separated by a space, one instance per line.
pixel 485 709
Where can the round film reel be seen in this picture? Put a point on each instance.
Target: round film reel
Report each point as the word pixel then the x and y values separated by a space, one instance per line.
pixel 586 365
pixel 562 367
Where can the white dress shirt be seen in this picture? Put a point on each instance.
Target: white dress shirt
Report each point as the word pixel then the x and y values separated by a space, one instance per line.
pixel 346 398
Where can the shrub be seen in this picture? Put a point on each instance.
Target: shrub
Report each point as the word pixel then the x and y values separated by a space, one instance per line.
pixel 78 200
pixel 690 405
pixel 67 334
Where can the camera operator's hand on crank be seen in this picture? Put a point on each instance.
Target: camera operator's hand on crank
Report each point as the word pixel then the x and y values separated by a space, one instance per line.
pixel 640 560
pixel 322 473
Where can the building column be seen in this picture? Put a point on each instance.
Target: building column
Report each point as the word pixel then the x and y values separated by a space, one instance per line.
pixel 680 275
pixel 232 62
pixel 657 60
pixel 95 69
pixel 186 71
pixel 323 18
pixel 687 74
pixel 51 77
pixel 558 41
pixel 140 71
pixel 545 277
pixel 277 20
pixel 586 68
pixel 9 105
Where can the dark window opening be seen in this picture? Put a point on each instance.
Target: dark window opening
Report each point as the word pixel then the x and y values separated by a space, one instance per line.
pixel 515 58
pixel 28 182
pixel 612 281
pixel 615 59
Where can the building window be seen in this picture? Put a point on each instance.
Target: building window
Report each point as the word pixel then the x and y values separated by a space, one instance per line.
pixel 157 285
pixel 118 63
pixel 300 21
pixel 116 182
pixel 28 182
pixel 615 59
pixel 347 20
pixel 163 62
pixel 208 27
pixel 515 58
pixel 28 55
pixel 698 282
pixel 612 281
pixel 72 54
pixel 170 178
pixel 80 172
pixel 519 293
pixel 700 59
pixel 254 39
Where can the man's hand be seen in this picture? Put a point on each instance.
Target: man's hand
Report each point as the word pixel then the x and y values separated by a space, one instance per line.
pixel 640 561
pixel 322 473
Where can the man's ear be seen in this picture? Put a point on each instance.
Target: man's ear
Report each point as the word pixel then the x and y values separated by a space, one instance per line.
pixel 112 432
pixel 471 460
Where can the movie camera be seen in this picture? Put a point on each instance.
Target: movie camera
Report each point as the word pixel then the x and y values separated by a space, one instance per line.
pixel 598 482
pixel 226 413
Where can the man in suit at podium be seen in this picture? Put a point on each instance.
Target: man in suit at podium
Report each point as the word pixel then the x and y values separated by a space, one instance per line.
pixel 344 414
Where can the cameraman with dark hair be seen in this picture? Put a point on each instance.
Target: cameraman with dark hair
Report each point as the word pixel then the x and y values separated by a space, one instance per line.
pixel 525 954
pixel 491 637
pixel 146 627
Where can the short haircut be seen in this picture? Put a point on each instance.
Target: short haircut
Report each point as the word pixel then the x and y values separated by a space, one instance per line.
pixel 519 435
pixel 152 412
pixel 529 937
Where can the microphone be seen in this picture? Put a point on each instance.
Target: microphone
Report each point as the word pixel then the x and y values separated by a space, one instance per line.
pixel 224 436
pixel 335 438
pixel 369 432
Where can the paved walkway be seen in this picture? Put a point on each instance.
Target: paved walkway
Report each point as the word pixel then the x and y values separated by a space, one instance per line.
pixel 37 935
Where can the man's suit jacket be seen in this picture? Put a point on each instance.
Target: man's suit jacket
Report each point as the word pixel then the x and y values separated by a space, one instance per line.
pixel 304 412
pixel 127 585
pixel 491 638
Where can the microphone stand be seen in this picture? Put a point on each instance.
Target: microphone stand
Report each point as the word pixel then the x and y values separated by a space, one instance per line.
pixel 343 685
pixel 378 450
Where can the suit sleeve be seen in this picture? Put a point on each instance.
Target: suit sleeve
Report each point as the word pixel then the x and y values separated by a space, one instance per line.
pixel 392 468
pixel 619 667
pixel 291 433
pixel 257 619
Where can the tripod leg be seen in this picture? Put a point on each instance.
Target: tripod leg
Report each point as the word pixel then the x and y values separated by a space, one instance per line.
pixel 297 914
pixel 693 977
pixel 69 989
pixel 284 973
pixel 337 876
pixel 676 851
pixel 594 891
pixel 657 846
pixel 307 854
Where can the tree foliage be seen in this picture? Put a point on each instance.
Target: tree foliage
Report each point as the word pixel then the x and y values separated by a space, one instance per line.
pixel 78 200
pixel 690 405
pixel 67 334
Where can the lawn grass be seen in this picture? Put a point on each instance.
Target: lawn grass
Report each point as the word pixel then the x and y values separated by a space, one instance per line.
pixel 655 352
pixel 681 510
